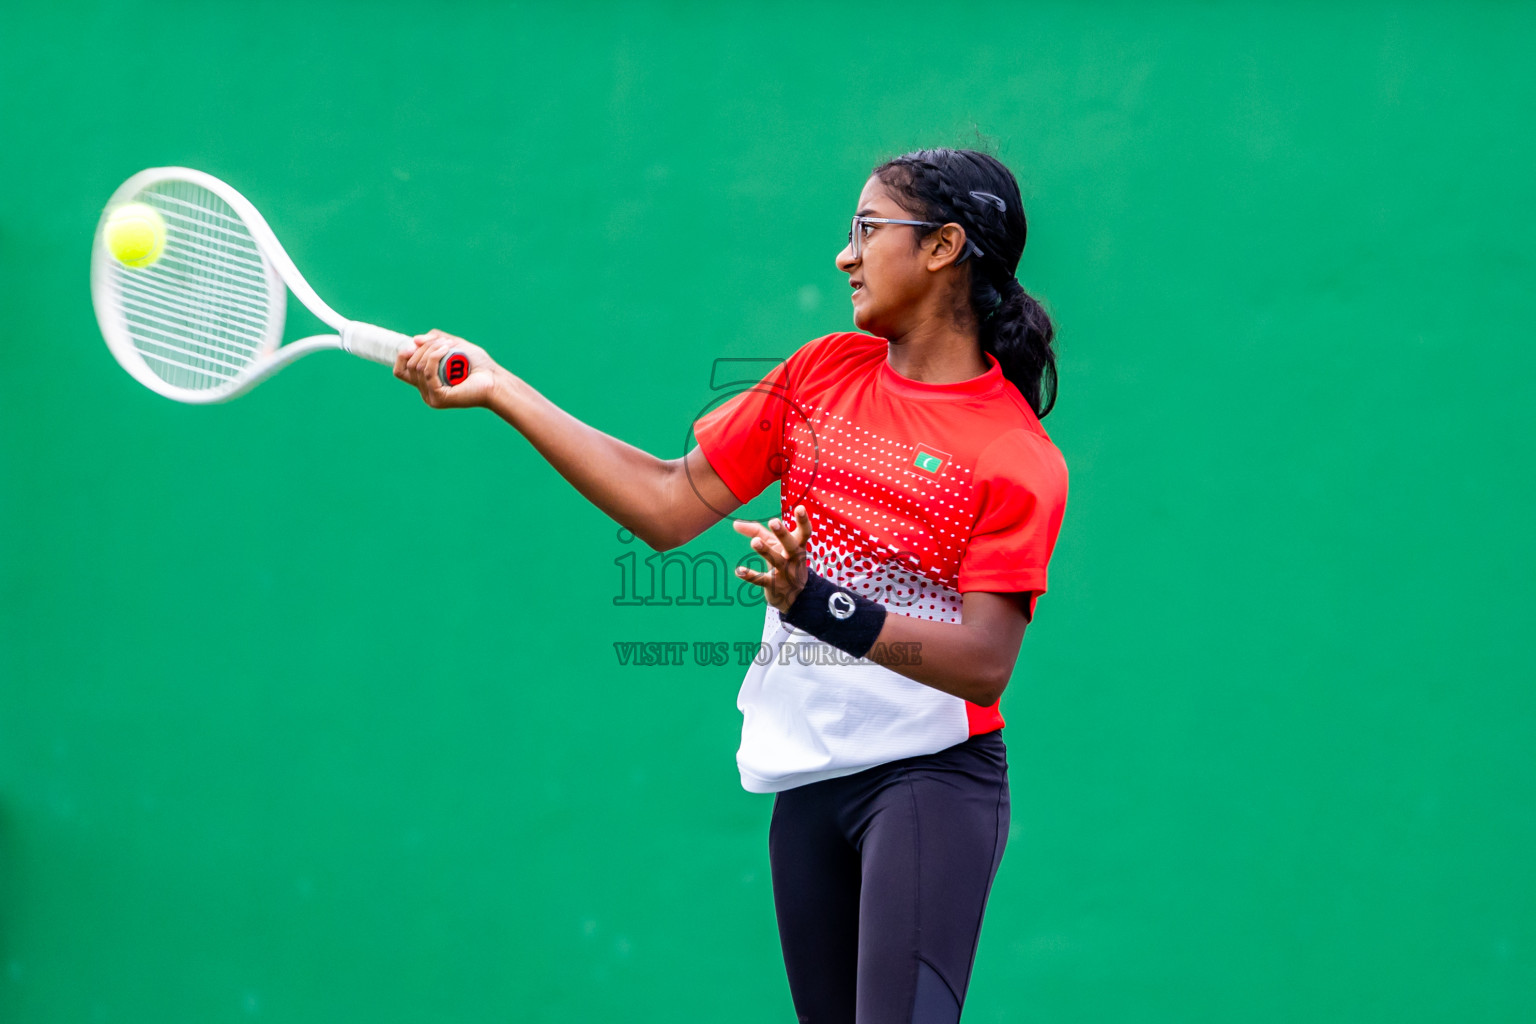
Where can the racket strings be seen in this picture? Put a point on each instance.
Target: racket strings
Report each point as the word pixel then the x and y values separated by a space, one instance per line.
pixel 200 313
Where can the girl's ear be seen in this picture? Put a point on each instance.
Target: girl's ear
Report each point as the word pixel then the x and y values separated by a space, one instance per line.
pixel 948 244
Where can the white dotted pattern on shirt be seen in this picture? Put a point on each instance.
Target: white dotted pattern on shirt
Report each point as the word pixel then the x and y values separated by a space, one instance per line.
pixel 855 542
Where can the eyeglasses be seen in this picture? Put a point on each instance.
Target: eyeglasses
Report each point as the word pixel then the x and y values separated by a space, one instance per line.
pixel 863 227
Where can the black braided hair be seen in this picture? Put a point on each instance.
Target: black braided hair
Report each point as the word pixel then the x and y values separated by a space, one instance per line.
pixel 977 192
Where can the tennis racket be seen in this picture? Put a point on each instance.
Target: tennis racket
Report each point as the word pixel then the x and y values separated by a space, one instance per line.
pixel 203 321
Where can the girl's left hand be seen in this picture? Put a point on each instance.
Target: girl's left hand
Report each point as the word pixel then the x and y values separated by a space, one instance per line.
pixel 785 553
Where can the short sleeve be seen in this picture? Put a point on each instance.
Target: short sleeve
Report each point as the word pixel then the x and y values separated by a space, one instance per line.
pixel 1023 479
pixel 743 438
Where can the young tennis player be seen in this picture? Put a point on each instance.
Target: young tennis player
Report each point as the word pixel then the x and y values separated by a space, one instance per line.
pixel 921 500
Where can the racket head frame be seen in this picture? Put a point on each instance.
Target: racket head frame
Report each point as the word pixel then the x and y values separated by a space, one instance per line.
pixel 279 272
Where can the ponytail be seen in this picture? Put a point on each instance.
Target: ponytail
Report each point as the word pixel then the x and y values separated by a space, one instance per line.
pixel 1019 333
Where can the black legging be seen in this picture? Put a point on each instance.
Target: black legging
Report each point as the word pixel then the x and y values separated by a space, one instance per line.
pixel 880 879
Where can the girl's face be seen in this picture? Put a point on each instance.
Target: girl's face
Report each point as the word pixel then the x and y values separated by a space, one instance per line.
pixel 891 277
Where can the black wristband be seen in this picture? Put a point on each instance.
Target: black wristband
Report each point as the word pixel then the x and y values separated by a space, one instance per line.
pixel 840 617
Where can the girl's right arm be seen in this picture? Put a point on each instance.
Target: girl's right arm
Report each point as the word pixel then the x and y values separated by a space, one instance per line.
pixel 664 502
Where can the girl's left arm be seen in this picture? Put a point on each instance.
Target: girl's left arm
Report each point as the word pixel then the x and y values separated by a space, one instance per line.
pixel 972 659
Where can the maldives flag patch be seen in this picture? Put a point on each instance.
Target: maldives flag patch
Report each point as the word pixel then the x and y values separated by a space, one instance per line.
pixel 929 459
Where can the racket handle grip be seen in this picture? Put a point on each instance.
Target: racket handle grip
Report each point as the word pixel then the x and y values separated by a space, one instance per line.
pixel 453 369
pixel 376 343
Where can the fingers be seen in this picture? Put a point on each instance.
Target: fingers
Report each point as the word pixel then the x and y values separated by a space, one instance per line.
pixel 416 364
pixel 427 352
pixel 792 541
pixel 776 537
pixel 402 358
pixel 786 538
pixel 409 357
pixel 432 341
pixel 420 362
pixel 749 528
pixel 771 553
pixel 782 548
pixel 759 544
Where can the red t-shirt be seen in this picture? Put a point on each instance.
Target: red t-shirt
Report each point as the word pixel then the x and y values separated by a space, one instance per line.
pixel 916 493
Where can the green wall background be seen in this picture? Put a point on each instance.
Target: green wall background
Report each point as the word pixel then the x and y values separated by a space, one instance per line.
pixel 309 709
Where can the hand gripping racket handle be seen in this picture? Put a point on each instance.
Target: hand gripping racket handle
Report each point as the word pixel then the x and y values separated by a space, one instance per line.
pixel 382 346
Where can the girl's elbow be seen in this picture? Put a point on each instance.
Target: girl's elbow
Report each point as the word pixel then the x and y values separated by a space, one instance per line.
pixel 986 698
pixel 658 542
pixel 992 686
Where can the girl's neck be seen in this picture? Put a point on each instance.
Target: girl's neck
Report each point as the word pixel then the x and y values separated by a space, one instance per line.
pixel 937 353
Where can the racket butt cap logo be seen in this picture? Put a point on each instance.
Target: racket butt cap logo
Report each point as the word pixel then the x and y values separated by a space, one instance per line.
pixel 453 369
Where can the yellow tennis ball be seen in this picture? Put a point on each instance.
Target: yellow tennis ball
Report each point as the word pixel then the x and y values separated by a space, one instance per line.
pixel 135 234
